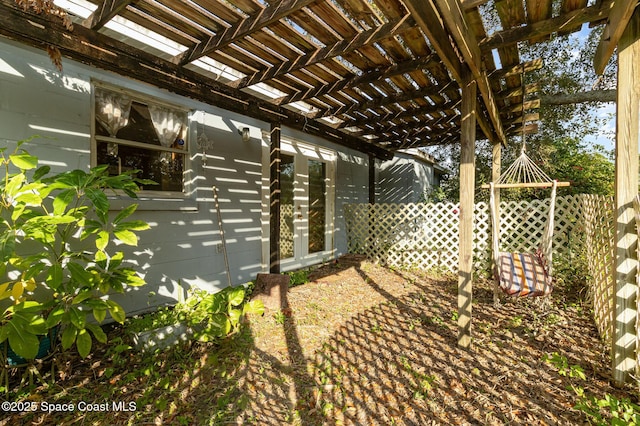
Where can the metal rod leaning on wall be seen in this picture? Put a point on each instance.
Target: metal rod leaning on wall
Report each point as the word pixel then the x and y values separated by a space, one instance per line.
pixel 224 243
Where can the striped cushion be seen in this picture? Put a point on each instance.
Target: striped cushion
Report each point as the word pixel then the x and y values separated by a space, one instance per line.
pixel 523 274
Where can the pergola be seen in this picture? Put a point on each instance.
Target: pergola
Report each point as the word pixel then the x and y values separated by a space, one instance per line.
pixel 373 75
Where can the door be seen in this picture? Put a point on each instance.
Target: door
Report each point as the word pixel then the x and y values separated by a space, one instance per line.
pixel 306 205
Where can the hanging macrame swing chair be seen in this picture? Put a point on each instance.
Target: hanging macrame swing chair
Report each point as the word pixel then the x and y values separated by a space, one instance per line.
pixel 524 274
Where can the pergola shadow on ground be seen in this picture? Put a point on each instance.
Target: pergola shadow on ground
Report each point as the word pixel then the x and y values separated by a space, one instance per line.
pixel 366 345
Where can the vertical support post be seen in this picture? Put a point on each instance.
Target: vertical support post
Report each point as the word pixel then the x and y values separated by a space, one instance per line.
pixel 496 166
pixel 467 194
pixel 372 201
pixel 274 197
pixel 372 179
pixel 626 188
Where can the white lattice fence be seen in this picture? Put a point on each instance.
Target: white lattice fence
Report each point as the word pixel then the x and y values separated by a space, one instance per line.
pixel 599 245
pixel 426 235
pixel 418 235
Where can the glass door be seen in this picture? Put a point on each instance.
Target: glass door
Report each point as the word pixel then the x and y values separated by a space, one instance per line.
pixel 306 205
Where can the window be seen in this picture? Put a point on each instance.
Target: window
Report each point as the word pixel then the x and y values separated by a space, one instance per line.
pixel 136 134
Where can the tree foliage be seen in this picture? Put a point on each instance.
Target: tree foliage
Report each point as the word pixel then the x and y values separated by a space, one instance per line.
pixel 559 147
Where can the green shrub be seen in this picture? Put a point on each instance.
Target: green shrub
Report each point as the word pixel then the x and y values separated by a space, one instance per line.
pixel 216 315
pixel 58 253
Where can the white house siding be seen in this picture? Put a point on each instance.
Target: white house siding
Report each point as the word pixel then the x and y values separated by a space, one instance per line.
pixel 404 179
pixel 183 248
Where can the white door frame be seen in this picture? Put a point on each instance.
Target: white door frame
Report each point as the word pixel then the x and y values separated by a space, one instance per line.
pixel 302 152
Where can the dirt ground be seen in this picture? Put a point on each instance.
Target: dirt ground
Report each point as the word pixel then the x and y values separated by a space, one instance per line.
pixel 361 344
pixel 357 345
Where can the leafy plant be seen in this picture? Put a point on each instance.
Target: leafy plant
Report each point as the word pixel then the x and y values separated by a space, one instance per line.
pixel 160 318
pixel 562 364
pixel 298 277
pixel 57 253
pixel 608 410
pixel 216 315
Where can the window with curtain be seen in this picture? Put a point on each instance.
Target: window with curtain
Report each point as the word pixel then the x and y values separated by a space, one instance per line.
pixel 137 134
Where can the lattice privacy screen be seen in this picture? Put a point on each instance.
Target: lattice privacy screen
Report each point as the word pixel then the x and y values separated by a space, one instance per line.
pixel 425 236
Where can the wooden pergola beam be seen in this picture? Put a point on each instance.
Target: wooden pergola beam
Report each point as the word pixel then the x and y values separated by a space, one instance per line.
pixel 368 77
pixel 512 36
pixel 619 17
pixel 328 52
pixel 451 90
pixel 105 12
pixel 468 45
pixel 399 115
pixel 241 29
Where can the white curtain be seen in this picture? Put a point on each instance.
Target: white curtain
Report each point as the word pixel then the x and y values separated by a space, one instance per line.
pixel 168 123
pixel 112 110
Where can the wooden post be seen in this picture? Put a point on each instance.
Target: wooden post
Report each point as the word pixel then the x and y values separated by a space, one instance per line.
pixel 496 166
pixel 274 197
pixel 467 193
pixel 626 259
pixel 372 179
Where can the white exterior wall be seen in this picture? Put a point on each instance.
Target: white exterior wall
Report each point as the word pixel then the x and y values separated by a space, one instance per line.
pixel 183 248
pixel 403 179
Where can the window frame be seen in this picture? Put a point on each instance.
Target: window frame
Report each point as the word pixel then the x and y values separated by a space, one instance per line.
pixel 147 194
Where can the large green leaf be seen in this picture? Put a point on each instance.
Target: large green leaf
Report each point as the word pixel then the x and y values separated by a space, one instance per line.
pixel 83 343
pixel 90 227
pixel 234 316
pixel 116 260
pixel 29 199
pixel 55 317
pixel 100 314
pixel 14 184
pixel 81 297
pixel 72 179
pixel 133 225
pixel 80 274
pixel 24 161
pixel 77 318
pixel 215 303
pixel 41 172
pixel 36 325
pixel 236 296
pixel 219 325
pixel 50 220
pixel 116 311
pixel 134 280
pixel 127 237
pixel 7 245
pixel 102 240
pixel 97 333
pixel 69 336
pixel 126 212
pixel 22 342
pixel 54 276
pixel 99 200
pixel 255 307
pixel 62 200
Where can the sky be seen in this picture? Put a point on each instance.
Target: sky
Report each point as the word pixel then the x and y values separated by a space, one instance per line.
pixel 606 135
